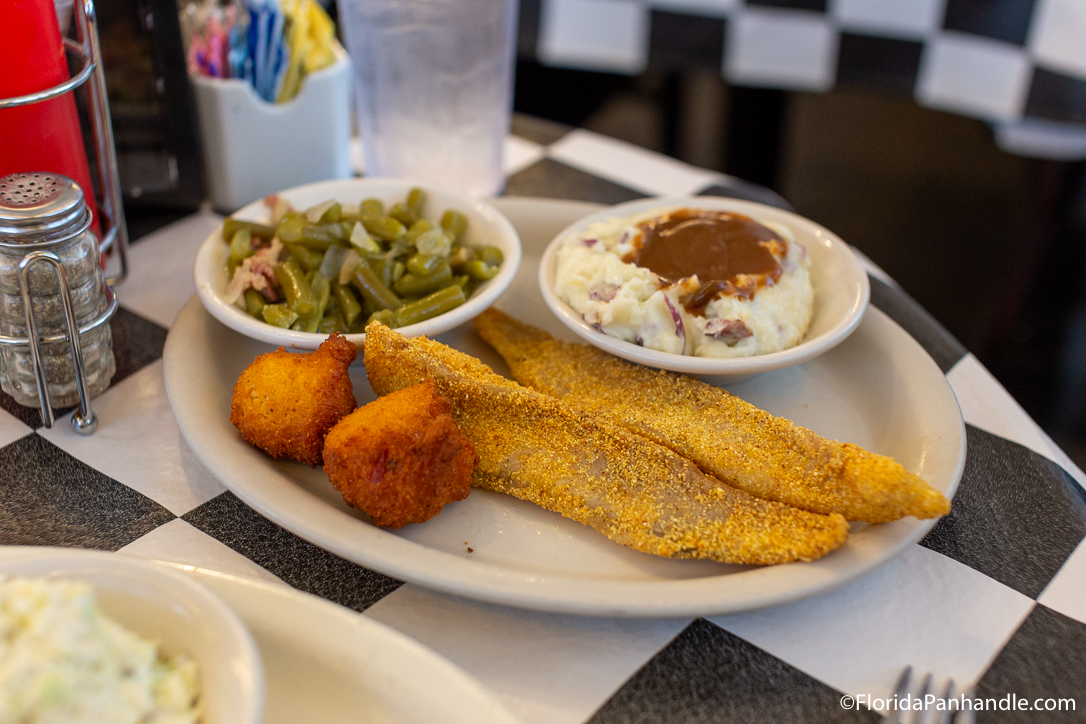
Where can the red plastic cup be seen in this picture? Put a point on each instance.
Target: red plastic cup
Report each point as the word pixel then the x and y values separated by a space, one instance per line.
pixel 42 136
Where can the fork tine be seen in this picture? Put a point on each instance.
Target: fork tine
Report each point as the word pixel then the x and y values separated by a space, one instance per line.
pixel 900 688
pixel 925 689
pixel 925 685
pixel 935 716
pixel 947 716
pixel 966 716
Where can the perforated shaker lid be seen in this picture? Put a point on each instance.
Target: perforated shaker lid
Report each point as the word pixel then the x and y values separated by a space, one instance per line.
pixel 37 205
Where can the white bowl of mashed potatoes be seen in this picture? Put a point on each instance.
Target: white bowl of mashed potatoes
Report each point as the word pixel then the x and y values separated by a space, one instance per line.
pixel 89 636
pixel 704 285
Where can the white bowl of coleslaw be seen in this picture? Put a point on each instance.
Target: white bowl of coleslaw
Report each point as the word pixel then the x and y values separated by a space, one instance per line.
pixel 100 637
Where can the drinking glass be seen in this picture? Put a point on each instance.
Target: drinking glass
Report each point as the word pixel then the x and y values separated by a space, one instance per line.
pixel 434 81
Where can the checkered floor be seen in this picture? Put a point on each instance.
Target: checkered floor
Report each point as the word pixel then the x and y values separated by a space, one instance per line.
pixel 995 596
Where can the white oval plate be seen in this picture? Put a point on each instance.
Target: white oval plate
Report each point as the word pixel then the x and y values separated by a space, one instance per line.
pixel 164 606
pixel 841 290
pixel 486 225
pixel 878 389
pixel 340 666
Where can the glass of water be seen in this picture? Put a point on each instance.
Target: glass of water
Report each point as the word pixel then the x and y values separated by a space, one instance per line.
pixel 434 81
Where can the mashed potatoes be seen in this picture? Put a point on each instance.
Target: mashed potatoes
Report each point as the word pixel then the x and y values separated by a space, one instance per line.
pixel 637 305
pixel 61 660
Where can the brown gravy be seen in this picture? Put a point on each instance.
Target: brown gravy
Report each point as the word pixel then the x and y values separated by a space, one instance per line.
pixel 731 253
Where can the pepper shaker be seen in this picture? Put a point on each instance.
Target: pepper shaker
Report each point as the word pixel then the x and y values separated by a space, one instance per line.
pixel 46 240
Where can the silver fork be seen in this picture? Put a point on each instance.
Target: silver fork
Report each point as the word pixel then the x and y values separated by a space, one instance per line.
pixel 930 716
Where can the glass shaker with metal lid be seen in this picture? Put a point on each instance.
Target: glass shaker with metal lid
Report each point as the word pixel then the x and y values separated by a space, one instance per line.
pixel 50 260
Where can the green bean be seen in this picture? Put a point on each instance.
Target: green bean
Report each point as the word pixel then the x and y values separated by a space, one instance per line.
pixel 348 303
pixel 385 316
pixel 464 282
pixel 368 308
pixel 416 199
pixel 241 245
pixel 308 323
pixel 278 315
pixel 231 226
pixel 292 280
pixel 460 255
pixel 428 307
pixel 455 223
pixel 319 242
pixel 323 235
pixel 334 232
pixel 254 302
pixel 384 228
pixel 398 270
pixel 231 267
pixel 417 229
pixel 423 264
pixel 413 284
pixel 332 323
pixel 308 259
pixel 290 228
pixel 480 271
pixel 492 255
pixel 373 289
pixel 295 230
pixel 382 267
pixel 321 291
pixel 331 213
pixel 372 207
pixel 403 214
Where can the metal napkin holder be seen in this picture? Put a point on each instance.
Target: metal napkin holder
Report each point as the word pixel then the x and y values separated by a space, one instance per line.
pixel 88 52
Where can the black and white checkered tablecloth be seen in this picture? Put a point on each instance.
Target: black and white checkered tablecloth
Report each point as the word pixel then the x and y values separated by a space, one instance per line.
pixel 994 596
pixel 1018 63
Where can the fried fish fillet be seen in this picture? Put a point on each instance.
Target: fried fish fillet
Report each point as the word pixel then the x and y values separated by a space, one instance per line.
pixel 767 456
pixel 632 490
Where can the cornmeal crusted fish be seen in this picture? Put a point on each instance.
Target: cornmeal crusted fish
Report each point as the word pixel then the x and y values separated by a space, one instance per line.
pixel 768 457
pixel 630 489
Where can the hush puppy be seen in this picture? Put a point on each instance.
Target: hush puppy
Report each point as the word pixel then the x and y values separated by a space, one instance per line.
pixel 285 403
pixel 400 458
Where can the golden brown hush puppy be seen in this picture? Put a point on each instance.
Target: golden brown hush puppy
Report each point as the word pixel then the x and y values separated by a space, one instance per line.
pixel 400 458
pixel 285 403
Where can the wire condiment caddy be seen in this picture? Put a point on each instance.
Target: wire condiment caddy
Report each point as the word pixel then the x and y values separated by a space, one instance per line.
pixel 40 243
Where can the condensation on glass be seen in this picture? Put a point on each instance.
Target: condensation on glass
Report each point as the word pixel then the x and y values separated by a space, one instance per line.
pixel 47 212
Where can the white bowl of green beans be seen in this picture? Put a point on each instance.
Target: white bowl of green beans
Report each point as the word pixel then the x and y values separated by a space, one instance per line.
pixel 331 256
